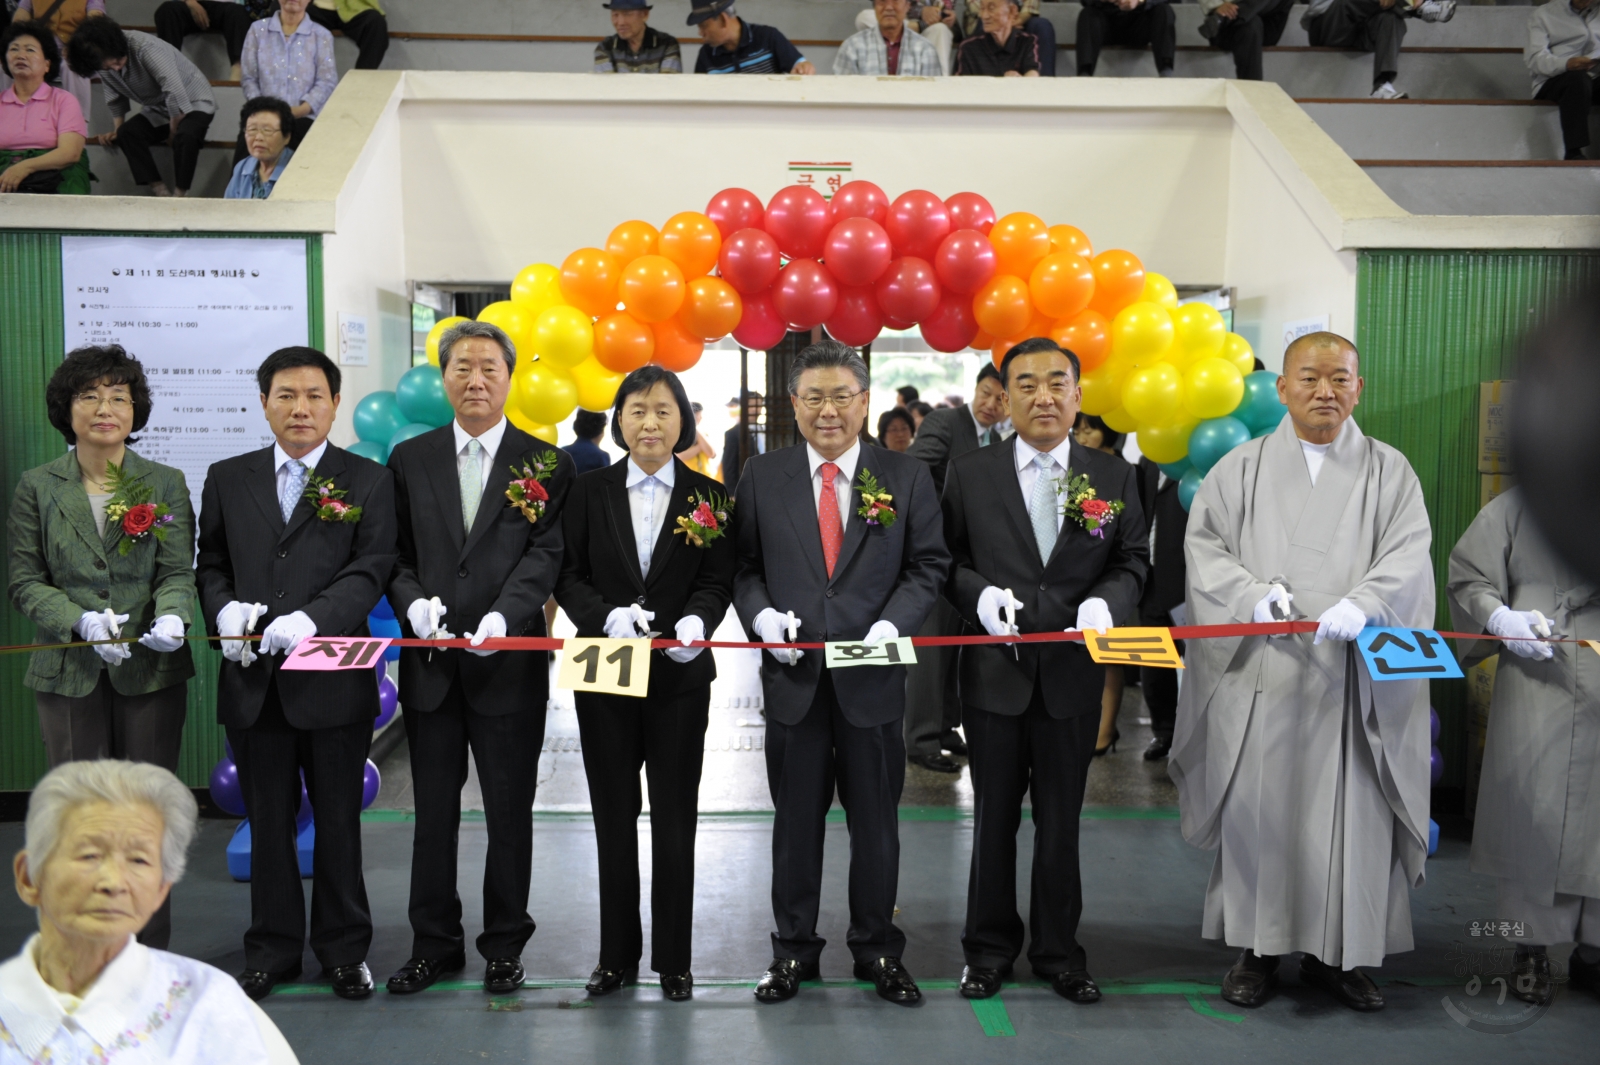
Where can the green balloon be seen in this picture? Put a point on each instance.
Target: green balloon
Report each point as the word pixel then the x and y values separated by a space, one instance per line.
pixel 377 417
pixel 407 432
pixel 1260 409
pixel 371 449
pixel 420 395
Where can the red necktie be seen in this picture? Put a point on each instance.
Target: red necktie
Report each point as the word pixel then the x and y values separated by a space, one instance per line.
pixel 828 522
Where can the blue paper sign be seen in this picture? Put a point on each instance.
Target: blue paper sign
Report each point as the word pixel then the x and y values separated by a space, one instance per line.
pixel 1406 654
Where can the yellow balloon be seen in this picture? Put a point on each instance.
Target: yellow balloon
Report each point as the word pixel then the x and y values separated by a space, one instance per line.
pixel 515 320
pixel 597 386
pixel 537 286
pixel 1236 349
pixel 1198 332
pixel 563 335
pixel 1153 395
pixel 1119 421
pixel 1165 443
pixel 547 433
pixel 438 331
pixel 1158 290
pixel 1212 388
pixel 544 392
pixel 1102 389
pixel 1141 333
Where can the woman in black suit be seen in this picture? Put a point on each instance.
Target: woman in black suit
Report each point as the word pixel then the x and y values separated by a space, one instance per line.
pixel 630 568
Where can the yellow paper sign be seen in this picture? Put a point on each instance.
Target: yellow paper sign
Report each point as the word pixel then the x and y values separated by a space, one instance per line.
pixel 1133 647
pixel 614 667
pixel 1594 645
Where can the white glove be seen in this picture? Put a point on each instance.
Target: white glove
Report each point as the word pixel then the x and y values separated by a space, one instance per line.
pixel 1341 621
pixel 880 631
pixel 772 627
pixel 493 624
pixel 1263 614
pixel 992 602
pixel 619 624
pixel 1093 614
pixel 1524 623
pixel 689 629
pixel 238 619
pixel 642 619
pixel 165 635
pixel 424 615
pixel 285 633
pixel 105 625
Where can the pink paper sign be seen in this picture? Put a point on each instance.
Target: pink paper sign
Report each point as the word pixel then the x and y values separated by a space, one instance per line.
pixel 322 653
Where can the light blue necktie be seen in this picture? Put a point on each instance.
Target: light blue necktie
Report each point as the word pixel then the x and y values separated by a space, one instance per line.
pixel 293 487
pixel 644 523
pixel 1042 507
pixel 471 483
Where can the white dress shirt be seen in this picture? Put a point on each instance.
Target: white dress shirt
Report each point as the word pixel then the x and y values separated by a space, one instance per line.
pixel 490 439
pixel 649 498
pixel 976 424
pixel 1028 473
pixel 843 481
pixel 1314 454
pixel 281 460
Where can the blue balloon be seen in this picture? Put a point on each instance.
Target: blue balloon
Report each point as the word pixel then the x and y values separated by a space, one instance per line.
pixel 1259 433
pixel 302 817
pixel 1213 439
pixel 406 432
pixel 385 628
pixel 421 397
pixel 376 450
pixel 1188 486
pixel 1176 470
pixel 1260 409
pixel 1433 724
pixel 1435 766
pixel 225 790
pixel 371 781
pixel 383 609
pixel 377 417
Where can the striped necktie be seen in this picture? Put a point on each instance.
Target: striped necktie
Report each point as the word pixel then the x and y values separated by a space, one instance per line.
pixel 471 472
pixel 1042 507
pixel 294 486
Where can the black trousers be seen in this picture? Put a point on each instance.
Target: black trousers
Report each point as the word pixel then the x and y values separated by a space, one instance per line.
pixel 1365 26
pixel 933 701
pixel 174 22
pixel 1573 93
pixel 271 755
pixel 369 30
pixel 298 132
pixel 136 136
pixel 505 749
pixel 1009 756
pixel 1045 31
pixel 1259 24
pixel 1101 23
pixel 804 762
pixel 667 737
pixel 107 724
pixel 1160 686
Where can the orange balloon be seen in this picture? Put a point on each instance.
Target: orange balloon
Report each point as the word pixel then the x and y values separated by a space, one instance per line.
pixel 589 279
pixel 982 342
pixel 1118 281
pixel 711 308
pixel 622 343
pixel 1086 335
pixel 1001 306
pixel 1038 326
pixel 1061 284
pixel 998 350
pixel 691 240
pixel 1070 238
pixel 631 240
pixel 676 348
pixel 1020 240
pixel 652 288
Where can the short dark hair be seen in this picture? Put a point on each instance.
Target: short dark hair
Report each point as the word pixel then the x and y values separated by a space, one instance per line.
pixel 47 44
pixel 828 354
pixel 268 105
pixel 85 367
pixel 921 407
pixel 988 373
pixel 643 380
pixel 908 393
pixel 895 414
pixel 1109 437
pixel 588 424
pixel 93 42
pixel 292 359
pixel 1032 346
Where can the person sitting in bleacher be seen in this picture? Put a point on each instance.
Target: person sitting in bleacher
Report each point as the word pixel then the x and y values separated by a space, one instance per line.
pixel 734 46
pixel 1563 39
pixel 63 19
pixel 636 48
pixel 1003 49
pixel 176 19
pixel 889 46
pixel 1043 30
pixel 935 22
pixel 41 127
pixel 264 125
pixel 360 20
pixel 289 57
pixel 1244 27
pixel 1130 23
pixel 1376 26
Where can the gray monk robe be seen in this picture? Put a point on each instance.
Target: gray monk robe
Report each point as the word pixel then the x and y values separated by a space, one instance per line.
pixel 1309 780
pixel 1538 820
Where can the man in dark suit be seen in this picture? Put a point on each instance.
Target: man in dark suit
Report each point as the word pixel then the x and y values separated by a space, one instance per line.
pixel 1032 712
pixel 732 456
pixel 933 704
pixel 270 556
pixel 470 554
pixel 812 553
pixel 1164 590
pixel 587 454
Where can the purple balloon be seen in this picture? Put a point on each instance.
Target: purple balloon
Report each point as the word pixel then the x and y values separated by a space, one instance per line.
pixel 303 817
pixel 388 702
pixel 1433 717
pixel 371 781
pixel 1436 763
pixel 225 791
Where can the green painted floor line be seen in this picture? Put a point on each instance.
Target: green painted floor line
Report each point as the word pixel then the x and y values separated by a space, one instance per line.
pixel 1200 1006
pixel 907 813
pixel 992 1015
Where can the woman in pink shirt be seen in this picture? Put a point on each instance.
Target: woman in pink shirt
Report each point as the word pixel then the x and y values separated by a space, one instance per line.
pixel 42 132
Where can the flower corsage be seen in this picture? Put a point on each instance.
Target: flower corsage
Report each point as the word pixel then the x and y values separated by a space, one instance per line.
pixel 329 501
pixel 526 490
pixel 875 508
pixel 709 520
pixel 130 506
pixel 1080 504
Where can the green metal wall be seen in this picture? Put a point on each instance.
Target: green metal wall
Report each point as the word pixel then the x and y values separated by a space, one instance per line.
pixel 1431 326
pixel 31 344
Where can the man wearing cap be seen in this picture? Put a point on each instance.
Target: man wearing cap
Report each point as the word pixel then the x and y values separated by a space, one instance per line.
pixel 636 48
pixel 734 46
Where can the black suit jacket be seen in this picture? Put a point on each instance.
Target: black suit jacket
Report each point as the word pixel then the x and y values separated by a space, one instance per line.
pixel 991 541
pixel 506 564
pixel 1167 583
pixel 334 571
pixel 732 457
pixel 946 433
pixel 600 570
pixel 888 573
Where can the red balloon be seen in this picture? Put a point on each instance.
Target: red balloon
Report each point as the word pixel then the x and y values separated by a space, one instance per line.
pixel 760 326
pixel 951 326
pixel 909 290
pixel 964 261
pixel 856 320
pixel 735 209
pixel 805 294
pixel 857 251
pixel 859 199
pixel 799 219
pixel 917 222
pixel 749 261
pixel 899 325
pixel 968 210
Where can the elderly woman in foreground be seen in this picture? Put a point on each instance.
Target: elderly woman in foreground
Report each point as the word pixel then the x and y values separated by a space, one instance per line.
pixel 105 842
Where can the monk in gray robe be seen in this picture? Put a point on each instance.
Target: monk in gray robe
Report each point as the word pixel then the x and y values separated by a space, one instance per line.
pixel 1537 829
pixel 1310 781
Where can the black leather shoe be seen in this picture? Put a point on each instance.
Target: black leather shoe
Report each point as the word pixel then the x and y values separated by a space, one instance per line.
pixel 352 981
pixel 937 762
pixel 1076 987
pixel 894 984
pixel 1159 748
pixel 503 976
pixel 981 983
pixel 1583 975
pixel 1352 987
pixel 781 981
pixel 1251 980
pixel 1530 976
pixel 678 988
pixel 952 742
pixel 418 974
pixel 258 985
pixel 603 981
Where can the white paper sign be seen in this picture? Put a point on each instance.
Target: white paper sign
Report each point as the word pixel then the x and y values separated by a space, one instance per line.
pixel 896 652
pixel 1293 331
pixel 352 339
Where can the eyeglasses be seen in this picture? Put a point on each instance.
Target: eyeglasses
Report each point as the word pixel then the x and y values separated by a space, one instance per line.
pixel 262 131
pixel 94 399
pixel 840 400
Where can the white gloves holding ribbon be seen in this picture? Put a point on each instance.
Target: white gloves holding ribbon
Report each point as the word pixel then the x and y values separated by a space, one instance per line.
pixel 1264 614
pixel 1341 621
pixel 424 616
pixel 165 635
pixel 1521 626
pixel 997 609
pixel 104 625
pixel 689 629
pixel 773 627
pixel 493 625
pixel 285 633
pixel 880 631
pixel 629 622
pixel 1094 614
pixel 238 619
